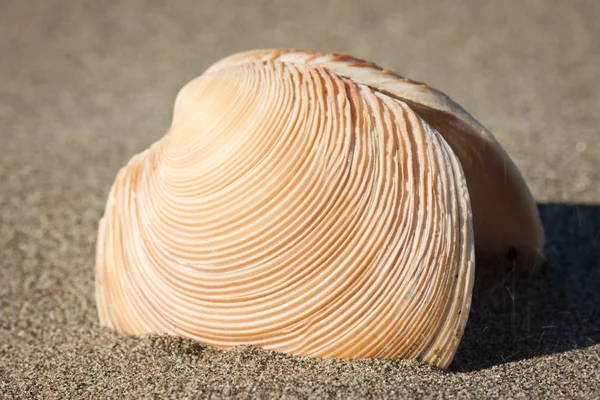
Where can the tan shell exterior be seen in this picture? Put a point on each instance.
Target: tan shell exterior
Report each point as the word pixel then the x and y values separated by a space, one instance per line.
pixel 301 204
pixel 505 217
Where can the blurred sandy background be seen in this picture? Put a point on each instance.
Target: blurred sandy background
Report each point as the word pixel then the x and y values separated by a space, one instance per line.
pixel 85 85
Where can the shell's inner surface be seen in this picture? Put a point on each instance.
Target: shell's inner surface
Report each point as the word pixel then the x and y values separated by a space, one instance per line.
pixel 295 209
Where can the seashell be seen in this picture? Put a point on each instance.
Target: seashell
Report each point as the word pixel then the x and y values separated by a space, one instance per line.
pixel 314 204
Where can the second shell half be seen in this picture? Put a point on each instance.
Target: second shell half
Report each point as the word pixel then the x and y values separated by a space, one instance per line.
pixel 313 204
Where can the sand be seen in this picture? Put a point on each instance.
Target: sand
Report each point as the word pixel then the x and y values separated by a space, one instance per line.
pixel 84 87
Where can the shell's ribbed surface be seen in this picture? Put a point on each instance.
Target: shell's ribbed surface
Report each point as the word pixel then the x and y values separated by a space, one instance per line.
pixel 505 217
pixel 295 209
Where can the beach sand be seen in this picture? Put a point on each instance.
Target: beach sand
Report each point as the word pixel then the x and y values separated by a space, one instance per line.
pixel 84 87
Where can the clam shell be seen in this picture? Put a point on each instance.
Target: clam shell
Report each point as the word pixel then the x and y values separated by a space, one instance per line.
pixel 312 204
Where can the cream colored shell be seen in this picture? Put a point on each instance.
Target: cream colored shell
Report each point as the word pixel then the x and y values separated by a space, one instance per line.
pixel 312 204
